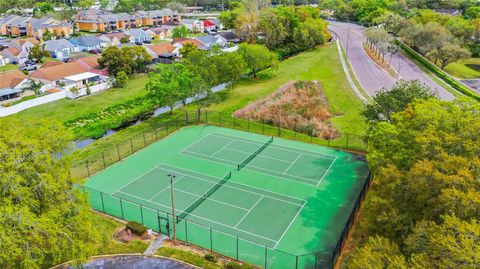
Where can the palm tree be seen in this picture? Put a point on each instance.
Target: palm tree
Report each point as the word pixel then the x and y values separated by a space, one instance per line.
pixel 33 86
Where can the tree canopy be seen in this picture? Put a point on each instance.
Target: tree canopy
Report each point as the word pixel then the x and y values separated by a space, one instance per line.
pixel 126 59
pixel 257 57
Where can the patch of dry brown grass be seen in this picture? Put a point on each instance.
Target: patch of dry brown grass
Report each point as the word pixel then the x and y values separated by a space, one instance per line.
pixel 297 105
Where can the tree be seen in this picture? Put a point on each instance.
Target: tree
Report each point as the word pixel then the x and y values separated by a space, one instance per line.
pixel 228 18
pixel 447 54
pixel 85 4
pixel 387 102
pixel 378 252
pixel 47 35
pixel 125 39
pixel 44 218
pixel 257 57
pixel 274 31
pixel 126 59
pixel 104 4
pixel 187 49
pixel 171 84
pixel 311 32
pixel 121 78
pixel 180 32
pixel 472 13
pixel 176 6
pixel 37 53
pixel 33 86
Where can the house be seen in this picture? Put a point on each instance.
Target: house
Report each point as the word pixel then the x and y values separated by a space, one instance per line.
pixel 92 65
pixel 114 39
pixel 157 17
pixel 217 22
pixel 19 49
pixel 162 53
pixel 163 31
pixel 138 35
pixel 193 25
pixel 12 84
pixel 14 25
pixel 228 36
pixel 87 43
pixel 60 48
pixel 208 26
pixel 14 55
pixel 209 41
pixel 179 42
pixel 4 60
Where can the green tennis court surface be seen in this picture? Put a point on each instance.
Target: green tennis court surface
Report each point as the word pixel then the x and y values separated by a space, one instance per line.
pixel 274 203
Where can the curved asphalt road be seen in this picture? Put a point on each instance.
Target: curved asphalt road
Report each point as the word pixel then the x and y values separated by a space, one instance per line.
pixel 370 75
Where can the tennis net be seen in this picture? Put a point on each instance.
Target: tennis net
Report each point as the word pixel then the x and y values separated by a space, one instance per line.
pixel 249 158
pixel 207 194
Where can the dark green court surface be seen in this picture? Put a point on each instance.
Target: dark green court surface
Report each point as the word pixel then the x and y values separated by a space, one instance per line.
pixel 268 201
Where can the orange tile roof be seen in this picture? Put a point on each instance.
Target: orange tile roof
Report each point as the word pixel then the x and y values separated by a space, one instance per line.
pixel 13 51
pixel 12 78
pixel 162 48
pixel 190 40
pixel 30 39
pixel 58 72
pixel 52 90
pixel 91 61
pixel 51 63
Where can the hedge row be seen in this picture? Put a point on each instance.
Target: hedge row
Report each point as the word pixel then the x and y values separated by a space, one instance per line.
pixel 439 73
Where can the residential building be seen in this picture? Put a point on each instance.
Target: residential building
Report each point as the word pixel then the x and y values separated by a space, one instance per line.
pixel 163 31
pixel 114 39
pixel 14 25
pixel 208 26
pixel 12 84
pixel 228 36
pixel 209 41
pixel 60 48
pixel 92 65
pixel 102 21
pixel 4 60
pixel 193 25
pixel 138 35
pixel 87 43
pixel 179 42
pixel 162 53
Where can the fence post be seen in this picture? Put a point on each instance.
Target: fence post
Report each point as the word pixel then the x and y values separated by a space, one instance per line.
pixel 186 118
pixel 166 126
pixel 177 122
pixel 211 242
pixel 296 262
pixel 118 153
pixel 220 118
pixel 141 213
pixel 144 141
pixel 206 117
pixel 279 131
pixel 248 124
pixel 159 224
pixel 131 145
pixel 103 158
pixel 263 126
pixel 237 248
pixel 265 257
pixel 186 231
pixel 88 168
pixel 121 208
pixel 329 138
pixel 103 205
pixel 311 136
pixel 316 260
pixel 294 133
pixel 234 121
pixel 156 135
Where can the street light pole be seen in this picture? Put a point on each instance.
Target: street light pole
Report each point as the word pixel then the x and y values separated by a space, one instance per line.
pixel 398 71
pixel 172 177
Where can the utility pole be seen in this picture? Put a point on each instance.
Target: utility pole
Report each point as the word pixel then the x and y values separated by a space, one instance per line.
pixel 172 177
pixel 348 42
pixel 398 71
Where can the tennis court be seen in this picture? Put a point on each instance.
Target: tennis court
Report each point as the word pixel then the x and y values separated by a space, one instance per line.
pixel 267 201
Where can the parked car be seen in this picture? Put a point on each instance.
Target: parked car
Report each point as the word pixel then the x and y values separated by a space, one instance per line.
pixel 138 43
pixel 66 60
pixel 95 51
pixel 147 41
pixel 29 62
pixel 29 67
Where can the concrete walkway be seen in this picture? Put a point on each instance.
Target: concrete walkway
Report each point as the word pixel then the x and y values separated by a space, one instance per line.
pixel 155 245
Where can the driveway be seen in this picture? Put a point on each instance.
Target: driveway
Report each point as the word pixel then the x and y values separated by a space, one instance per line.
pixel 371 76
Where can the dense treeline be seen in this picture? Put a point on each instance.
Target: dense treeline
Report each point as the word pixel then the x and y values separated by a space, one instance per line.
pixel 423 209
pixel 285 29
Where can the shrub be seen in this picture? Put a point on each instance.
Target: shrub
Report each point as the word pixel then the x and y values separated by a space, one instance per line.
pixel 136 228
pixel 210 257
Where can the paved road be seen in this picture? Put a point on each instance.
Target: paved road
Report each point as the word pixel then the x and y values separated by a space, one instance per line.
pixel 371 76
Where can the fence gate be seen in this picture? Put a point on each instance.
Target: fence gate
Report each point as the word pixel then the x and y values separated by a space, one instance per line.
pixel 164 225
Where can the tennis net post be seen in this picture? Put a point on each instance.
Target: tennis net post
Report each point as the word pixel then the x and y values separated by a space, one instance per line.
pixel 252 156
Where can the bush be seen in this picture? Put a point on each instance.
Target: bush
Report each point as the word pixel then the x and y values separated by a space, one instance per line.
pixel 136 228
pixel 210 257
pixel 447 79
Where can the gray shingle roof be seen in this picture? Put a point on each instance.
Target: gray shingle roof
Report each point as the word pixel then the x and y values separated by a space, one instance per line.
pixel 53 45
pixel 86 41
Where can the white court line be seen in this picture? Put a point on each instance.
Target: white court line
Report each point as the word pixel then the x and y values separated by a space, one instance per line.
pixel 288 227
pixel 196 195
pixel 190 214
pixel 298 157
pixel 149 199
pixel 198 141
pixel 261 155
pixel 222 148
pixel 314 182
pixel 326 172
pixel 248 212
pixel 306 152
pixel 256 193
pixel 137 178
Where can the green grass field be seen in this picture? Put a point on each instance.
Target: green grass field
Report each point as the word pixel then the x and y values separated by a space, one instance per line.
pixel 322 64
pixel 8 67
pixel 466 69
pixel 66 109
pixel 291 199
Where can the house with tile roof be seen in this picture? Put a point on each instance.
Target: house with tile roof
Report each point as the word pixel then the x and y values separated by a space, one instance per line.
pixel 19 49
pixel 162 53
pixel 12 84
pixel 114 39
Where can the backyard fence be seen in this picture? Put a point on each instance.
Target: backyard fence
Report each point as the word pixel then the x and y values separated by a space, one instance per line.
pixel 219 242
pixel 93 164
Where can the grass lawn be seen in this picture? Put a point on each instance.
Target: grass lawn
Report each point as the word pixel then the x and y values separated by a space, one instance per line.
pixel 322 64
pixel 8 67
pixel 65 109
pixel 466 69
pixel 158 41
